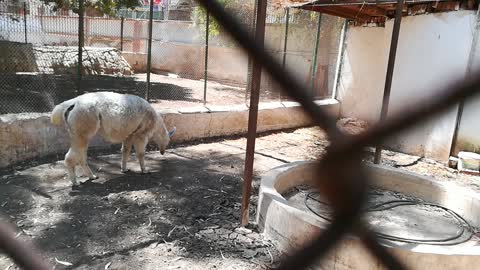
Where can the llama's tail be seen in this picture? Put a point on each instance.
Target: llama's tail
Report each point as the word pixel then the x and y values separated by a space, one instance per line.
pixel 58 113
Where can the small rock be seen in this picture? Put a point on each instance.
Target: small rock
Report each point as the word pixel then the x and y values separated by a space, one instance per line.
pixel 254 236
pixel 233 235
pixel 208 231
pixel 469 161
pixel 243 239
pixel 243 231
pixel 248 253
pixel 222 231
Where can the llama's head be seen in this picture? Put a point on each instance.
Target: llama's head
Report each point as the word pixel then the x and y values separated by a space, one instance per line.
pixel 162 136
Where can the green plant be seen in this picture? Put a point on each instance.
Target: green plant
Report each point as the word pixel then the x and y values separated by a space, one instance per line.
pixel 108 7
pixel 243 10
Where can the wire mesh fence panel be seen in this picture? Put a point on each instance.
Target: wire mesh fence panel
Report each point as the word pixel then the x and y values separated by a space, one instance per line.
pixel 115 54
pixel 38 56
pixel 228 65
pixel 329 51
pixel 275 43
pixel 307 45
pixel 105 67
pixel 299 52
pixel 178 55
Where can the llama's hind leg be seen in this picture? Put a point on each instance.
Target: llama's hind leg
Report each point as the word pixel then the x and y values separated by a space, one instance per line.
pixel 71 160
pixel 126 148
pixel 83 123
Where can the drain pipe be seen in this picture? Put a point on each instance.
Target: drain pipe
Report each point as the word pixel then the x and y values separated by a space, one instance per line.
pixel 285 44
pixel 461 104
pixel 389 76
pixel 341 52
pixel 315 54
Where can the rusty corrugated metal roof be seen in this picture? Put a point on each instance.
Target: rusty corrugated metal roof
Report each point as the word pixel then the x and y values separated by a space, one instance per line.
pixel 375 11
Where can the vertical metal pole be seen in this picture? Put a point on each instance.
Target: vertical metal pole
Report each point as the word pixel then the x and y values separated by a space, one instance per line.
pixel 285 43
pixel 250 60
pixel 205 76
pixel 315 53
pixel 253 113
pixel 341 51
pixel 149 53
pixel 285 40
pixel 122 21
pixel 390 68
pixel 25 19
pixel 80 45
pixel 471 59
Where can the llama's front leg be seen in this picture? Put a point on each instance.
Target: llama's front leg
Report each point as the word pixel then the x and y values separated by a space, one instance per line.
pixel 126 148
pixel 86 169
pixel 140 145
pixel 71 160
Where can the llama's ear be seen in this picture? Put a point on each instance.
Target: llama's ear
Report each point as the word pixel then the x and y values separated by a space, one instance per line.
pixel 171 132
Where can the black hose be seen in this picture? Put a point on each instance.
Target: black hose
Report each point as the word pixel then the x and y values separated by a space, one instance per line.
pixel 464 225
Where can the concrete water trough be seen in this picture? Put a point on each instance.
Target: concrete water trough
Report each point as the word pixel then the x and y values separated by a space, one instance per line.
pixel 424 222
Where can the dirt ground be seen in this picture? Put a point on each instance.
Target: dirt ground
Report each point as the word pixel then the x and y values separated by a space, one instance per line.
pixel 183 215
pixel 40 92
pixel 176 92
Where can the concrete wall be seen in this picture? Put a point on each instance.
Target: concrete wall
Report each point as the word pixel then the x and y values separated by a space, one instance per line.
pixel 31 136
pixel 433 49
pixel 468 136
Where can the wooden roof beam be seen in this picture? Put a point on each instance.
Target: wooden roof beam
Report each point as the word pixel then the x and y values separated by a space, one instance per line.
pixel 345 13
pixel 368 10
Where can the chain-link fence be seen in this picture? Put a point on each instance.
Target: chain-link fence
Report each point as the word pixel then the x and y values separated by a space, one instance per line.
pixel 191 61
pixel 32 78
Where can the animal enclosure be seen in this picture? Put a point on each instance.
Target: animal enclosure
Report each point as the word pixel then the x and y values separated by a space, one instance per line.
pixel 186 213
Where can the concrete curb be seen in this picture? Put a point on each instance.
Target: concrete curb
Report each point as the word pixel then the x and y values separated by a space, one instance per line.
pixel 28 136
pixel 289 228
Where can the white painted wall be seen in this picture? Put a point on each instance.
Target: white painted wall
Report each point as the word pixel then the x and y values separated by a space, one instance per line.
pixel 433 49
pixel 468 136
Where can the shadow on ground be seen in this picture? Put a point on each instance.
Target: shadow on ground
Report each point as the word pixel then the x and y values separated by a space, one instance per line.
pixel 188 205
pixel 41 92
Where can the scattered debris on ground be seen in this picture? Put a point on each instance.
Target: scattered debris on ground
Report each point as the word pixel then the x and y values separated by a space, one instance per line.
pixel 183 215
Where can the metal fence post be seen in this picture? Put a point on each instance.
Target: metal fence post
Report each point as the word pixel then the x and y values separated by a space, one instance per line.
pixel 149 53
pixel 389 76
pixel 253 112
pixel 315 53
pixel 285 42
pixel 250 60
pixel 207 31
pixel 25 19
pixel 122 21
pixel 80 45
